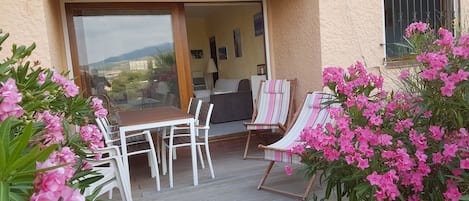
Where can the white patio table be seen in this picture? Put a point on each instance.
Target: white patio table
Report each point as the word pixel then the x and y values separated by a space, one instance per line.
pixel 155 118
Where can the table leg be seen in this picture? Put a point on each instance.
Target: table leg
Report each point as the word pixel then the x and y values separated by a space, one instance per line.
pixel 193 153
pixel 125 161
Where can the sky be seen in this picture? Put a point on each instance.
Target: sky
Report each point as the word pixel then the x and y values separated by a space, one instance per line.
pixel 108 36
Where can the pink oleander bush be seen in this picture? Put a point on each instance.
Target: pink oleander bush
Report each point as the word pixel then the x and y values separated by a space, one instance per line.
pixel 45 132
pixel 409 144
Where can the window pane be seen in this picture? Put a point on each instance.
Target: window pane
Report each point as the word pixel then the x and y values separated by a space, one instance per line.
pixel 400 13
pixel 128 56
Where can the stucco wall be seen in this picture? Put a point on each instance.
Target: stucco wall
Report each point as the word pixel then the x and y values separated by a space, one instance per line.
pixel 34 21
pixel 55 36
pixel 295 43
pixel 351 31
pixel 464 15
pixel 221 25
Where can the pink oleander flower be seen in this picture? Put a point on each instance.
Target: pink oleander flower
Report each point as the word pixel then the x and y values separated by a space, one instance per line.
pixel 450 150
pixel 452 192
pixel 332 75
pixel 42 78
pixel 404 74
pixel 461 51
pixel 464 40
pixel 11 97
pixel 91 134
pixel 436 132
pixel 362 163
pixel 446 38
pixel 53 127
pixel 51 184
pixel 97 105
pixel 297 149
pixel 435 60
pixel 66 194
pixel 415 27
pixel 385 182
pixel 70 88
pixel 288 170
pixel 464 164
pixel 404 137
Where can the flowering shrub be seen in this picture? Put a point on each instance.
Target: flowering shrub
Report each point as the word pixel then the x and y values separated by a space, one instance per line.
pixel 42 155
pixel 411 144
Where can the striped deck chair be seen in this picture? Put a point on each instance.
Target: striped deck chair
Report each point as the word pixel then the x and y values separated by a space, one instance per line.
pixel 273 108
pixel 311 114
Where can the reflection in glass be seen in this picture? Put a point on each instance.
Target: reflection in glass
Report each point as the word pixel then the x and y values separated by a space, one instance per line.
pixel 128 57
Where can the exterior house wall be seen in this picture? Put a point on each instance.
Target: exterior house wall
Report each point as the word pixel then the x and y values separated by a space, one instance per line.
pixel 464 15
pixel 304 37
pixel 351 31
pixel 295 45
pixel 34 21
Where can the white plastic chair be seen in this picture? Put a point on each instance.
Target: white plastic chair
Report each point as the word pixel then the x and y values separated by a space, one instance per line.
pixel 137 143
pixel 110 166
pixel 194 109
pixel 179 137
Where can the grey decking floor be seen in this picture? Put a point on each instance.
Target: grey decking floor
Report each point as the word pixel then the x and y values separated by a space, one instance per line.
pixel 236 179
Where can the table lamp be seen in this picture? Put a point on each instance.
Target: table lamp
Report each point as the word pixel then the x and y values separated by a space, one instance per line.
pixel 211 68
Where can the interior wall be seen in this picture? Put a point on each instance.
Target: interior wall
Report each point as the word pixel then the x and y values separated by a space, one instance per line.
pixel 221 25
pixel 295 45
pixel 198 40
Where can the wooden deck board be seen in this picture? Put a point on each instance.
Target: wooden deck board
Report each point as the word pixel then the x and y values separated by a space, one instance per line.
pixel 236 179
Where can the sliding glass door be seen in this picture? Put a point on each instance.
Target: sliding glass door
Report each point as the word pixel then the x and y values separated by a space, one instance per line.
pixel 127 53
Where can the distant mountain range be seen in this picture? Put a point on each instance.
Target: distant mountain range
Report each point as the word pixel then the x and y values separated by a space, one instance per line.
pixel 135 54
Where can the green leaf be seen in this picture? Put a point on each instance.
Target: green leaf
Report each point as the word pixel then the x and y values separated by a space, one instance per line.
pixel 16 197
pixel 362 188
pixel 465 197
pixel 3 37
pixel 31 157
pixel 23 141
pixel 4 142
pixel 23 179
pixel 4 190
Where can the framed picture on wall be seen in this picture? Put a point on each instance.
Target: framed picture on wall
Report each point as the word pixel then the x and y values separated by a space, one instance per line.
pixel 222 55
pixel 258 24
pixel 237 42
pixel 197 54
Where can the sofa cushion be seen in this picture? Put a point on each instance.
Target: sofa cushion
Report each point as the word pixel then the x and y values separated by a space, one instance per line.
pixel 226 85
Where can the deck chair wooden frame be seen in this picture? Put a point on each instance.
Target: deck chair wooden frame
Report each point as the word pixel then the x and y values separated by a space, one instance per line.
pixel 261 111
pixel 312 113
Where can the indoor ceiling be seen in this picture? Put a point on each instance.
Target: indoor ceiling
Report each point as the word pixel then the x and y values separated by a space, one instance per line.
pixel 202 10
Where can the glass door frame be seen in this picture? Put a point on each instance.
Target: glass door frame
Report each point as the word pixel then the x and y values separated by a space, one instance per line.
pixel 181 46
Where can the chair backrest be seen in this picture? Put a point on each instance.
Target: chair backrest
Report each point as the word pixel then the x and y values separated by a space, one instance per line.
pixel 275 100
pixel 111 168
pixel 205 114
pixel 312 113
pixel 105 129
pixel 194 107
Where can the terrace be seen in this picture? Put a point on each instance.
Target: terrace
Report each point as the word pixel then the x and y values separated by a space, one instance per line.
pixel 236 179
